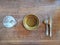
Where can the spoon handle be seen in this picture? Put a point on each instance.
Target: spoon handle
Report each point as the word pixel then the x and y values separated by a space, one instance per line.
pixel 47 32
pixel 50 26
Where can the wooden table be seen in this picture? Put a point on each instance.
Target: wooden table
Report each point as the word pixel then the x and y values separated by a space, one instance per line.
pixel 20 8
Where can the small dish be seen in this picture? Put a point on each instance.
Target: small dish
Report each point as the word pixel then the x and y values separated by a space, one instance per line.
pixel 9 21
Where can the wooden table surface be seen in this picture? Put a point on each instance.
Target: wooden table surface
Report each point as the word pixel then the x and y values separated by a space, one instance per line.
pixel 20 8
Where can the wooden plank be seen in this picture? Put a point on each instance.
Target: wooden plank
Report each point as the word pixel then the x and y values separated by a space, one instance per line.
pixel 20 8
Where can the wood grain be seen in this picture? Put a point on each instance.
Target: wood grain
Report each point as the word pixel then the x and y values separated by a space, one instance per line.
pixel 20 8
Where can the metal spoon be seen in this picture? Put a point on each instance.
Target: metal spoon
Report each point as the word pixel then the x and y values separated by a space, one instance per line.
pixel 47 28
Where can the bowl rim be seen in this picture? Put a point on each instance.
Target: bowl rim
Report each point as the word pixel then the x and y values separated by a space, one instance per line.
pixel 28 27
